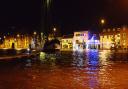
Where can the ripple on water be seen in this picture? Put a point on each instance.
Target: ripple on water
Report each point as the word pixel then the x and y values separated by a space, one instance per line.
pixel 70 70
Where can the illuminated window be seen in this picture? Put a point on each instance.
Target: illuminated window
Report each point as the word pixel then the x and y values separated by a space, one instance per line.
pixel 104 30
pixel 118 29
pixel 114 29
pixel 118 35
pixel 77 41
pixel 77 34
pixel 124 41
pixel 81 34
pixel 124 28
pixel 62 40
pixel 108 30
pixel 110 36
pixel 124 35
pixel 107 36
pixel 70 41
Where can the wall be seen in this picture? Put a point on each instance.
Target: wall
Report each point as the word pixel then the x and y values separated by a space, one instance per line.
pixel 19 41
pixel 67 44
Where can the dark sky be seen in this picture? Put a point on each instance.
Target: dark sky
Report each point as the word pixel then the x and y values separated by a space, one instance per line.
pixel 67 15
pixel 81 14
pixel 19 15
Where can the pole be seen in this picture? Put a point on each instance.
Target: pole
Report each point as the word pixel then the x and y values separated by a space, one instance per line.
pixel 46 16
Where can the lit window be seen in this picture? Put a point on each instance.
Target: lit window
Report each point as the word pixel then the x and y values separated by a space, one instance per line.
pixel 63 41
pixel 124 28
pixel 107 36
pixel 124 35
pixel 81 34
pixel 108 30
pixel 114 29
pixel 104 30
pixel 77 34
pixel 118 29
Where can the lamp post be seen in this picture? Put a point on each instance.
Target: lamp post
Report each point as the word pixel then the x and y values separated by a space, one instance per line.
pixel 4 41
pixel 55 32
pixel 46 15
pixel 102 22
pixel 35 42
pixel 18 40
pixel 54 29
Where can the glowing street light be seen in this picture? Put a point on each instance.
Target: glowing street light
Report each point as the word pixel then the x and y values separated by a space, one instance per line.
pixel 4 37
pixel 102 21
pixel 18 35
pixel 34 33
pixel 54 29
pixel 48 2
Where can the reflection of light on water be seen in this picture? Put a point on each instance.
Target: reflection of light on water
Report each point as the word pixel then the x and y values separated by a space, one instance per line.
pixel 28 64
pixel 78 57
pixel 93 66
pixel 78 49
pixel 42 55
pixel 104 55
pixel 90 60
pixel 48 57
pixel 93 58
pixel 28 49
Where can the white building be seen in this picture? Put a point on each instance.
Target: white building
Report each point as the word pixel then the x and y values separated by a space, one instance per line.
pixel 81 40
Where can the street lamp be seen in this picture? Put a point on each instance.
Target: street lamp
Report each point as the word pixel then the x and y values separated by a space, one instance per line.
pixel 4 37
pixel 102 21
pixel 46 15
pixel 54 29
pixel 18 40
pixel 34 33
pixel 18 35
pixel 48 2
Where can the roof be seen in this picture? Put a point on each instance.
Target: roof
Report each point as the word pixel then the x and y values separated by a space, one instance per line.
pixel 68 36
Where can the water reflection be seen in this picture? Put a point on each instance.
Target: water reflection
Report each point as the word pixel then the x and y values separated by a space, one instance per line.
pixel 90 69
pixel 88 63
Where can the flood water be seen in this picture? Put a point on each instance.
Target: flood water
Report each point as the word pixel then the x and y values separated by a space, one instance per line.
pixel 69 70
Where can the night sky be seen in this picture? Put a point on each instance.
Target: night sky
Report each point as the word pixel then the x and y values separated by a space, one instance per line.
pixel 67 15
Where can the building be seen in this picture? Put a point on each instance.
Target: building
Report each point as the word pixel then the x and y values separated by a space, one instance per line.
pixel 115 38
pixel 20 41
pixel 15 41
pixel 80 40
pixel 93 42
pixel 124 37
pixel 67 42
pixel 85 40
